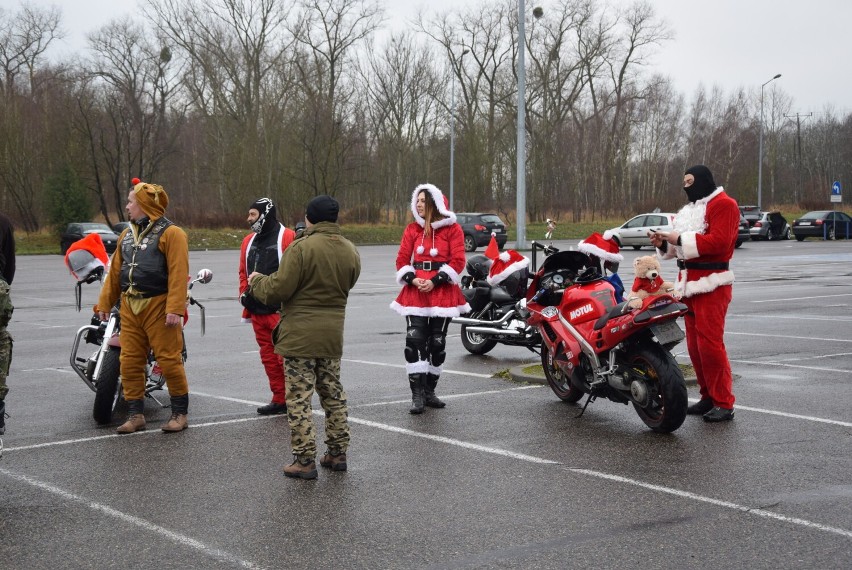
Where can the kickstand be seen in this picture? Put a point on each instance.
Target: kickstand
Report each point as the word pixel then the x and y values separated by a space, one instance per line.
pixel 589 400
pixel 162 405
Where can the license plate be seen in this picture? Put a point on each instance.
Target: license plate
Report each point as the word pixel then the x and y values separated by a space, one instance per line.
pixel 667 332
pixel 804 223
pixel 497 230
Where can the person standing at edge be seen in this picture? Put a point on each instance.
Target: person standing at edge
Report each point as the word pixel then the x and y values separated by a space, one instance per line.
pixel 261 253
pixel 312 287
pixel 7 274
pixel 429 262
pixel 149 272
pixel 703 239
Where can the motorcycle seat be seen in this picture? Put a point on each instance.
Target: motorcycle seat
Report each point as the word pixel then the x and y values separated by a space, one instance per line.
pixel 500 296
pixel 616 311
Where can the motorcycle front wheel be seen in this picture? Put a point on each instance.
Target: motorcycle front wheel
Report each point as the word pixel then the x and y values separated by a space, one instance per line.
pixel 558 380
pixel 107 393
pixel 476 343
pixel 661 388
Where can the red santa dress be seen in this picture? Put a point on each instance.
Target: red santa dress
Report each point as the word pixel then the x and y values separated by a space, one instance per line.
pixel 442 251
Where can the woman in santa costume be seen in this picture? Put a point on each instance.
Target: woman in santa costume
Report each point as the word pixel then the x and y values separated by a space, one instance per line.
pixel 703 239
pixel 429 262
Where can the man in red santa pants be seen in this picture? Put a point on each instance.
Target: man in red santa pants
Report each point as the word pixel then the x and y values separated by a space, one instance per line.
pixel 703 239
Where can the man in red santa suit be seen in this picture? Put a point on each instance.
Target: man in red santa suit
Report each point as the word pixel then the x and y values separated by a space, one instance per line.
pixel 703 239
pixel 429 262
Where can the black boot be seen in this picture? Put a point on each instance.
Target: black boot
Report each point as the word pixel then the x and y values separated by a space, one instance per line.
pixel 429 397
pixel 2 417
pixel 416 382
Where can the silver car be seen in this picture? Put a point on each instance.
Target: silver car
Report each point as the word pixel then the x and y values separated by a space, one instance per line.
pixel 634 232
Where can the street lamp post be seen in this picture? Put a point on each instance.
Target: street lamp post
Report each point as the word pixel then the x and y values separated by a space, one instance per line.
pixel 760 148
pixel 521 192
pixel 521 183
pixel 453 132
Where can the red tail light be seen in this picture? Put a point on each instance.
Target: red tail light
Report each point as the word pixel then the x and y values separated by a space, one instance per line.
pixel 758 224
pixel 479 228
pixel 818 222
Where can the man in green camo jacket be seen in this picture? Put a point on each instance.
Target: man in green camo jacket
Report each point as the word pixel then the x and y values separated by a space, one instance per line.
pixel 7 273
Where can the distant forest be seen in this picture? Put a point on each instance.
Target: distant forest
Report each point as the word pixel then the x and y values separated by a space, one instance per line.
pixel 224 101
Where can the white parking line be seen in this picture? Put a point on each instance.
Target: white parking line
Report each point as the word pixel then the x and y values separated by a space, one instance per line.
pixel 790 337
pixel 801 298
pixel 182 539
pixel 782 364
pixel 445 371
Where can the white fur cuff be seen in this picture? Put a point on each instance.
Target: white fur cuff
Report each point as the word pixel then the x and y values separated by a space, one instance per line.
pixel 401 273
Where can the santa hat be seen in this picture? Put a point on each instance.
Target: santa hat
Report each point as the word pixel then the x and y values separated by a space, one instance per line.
pixel 602 246
pixel 492 252
pixel 505 264
pixel 86 259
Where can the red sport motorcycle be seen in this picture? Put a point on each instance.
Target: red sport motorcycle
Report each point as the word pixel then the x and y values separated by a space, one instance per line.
pixel 595 346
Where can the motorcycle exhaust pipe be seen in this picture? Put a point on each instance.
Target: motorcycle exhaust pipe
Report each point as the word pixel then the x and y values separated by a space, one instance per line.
pixel 493 331
pixel 481 323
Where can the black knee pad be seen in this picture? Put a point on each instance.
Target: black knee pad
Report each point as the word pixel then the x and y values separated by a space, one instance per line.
pixel 416 344
pixel 437 344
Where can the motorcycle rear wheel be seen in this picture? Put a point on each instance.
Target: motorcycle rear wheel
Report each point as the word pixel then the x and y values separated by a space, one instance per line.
pixel 665 410
pixel 558 380
pixel 476 343
pixel 107 393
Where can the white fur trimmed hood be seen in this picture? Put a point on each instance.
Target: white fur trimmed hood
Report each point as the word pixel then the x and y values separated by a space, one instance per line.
pixel 441 203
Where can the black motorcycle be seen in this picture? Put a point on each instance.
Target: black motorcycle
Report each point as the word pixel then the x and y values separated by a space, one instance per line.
pixel 493 318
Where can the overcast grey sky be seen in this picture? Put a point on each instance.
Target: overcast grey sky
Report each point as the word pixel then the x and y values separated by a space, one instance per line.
pixel 730 43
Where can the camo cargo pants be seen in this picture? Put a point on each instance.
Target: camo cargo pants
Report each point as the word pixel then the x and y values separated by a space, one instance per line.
pixel 304 375
pixel 6 309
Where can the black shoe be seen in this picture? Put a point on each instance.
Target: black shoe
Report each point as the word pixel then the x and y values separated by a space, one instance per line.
pixel 718 414
pixel 272 409
pixel 700 408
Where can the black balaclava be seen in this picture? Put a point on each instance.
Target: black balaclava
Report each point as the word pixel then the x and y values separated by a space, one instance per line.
pixel 267 214
pixel 703 185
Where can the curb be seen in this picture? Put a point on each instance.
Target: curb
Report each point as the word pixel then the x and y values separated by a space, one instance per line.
pixel 517 374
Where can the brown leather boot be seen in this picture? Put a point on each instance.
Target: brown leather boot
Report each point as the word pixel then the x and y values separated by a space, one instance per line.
pixel 177 422
pixel 301 468
pixel 135 419
pixel 334 461
pixel 134 423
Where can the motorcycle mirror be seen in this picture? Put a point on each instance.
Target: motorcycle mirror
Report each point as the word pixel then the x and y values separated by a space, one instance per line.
pixel 204 276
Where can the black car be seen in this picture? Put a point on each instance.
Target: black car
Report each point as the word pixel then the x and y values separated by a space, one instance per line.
pixel 79 230
pixel 478 227
pixel 119 227
pixel 825 224
pixel 743 232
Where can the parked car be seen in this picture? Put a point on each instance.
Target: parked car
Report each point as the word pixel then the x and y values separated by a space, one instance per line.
pixel 477 228
pixel 634 232
pixel 771 225
pixel 751 213
pixel 826 224
pixel 119 227
pixel 79 230
pixel 744 231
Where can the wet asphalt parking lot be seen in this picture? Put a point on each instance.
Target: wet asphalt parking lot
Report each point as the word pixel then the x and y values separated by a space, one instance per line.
pixel 506 476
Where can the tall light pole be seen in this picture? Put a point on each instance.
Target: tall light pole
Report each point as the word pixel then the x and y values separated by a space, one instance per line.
pixel 760 148
pixel 453 131
pixel 521 200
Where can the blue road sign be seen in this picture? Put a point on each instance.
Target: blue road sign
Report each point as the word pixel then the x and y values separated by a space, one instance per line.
pixel 835 188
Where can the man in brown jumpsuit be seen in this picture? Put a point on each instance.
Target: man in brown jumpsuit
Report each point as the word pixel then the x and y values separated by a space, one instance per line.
pixel 149 272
